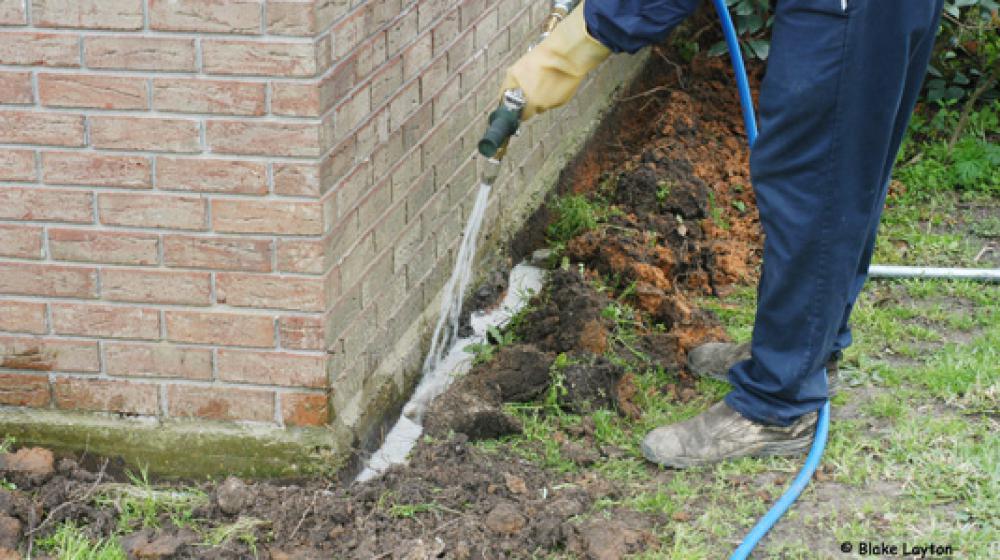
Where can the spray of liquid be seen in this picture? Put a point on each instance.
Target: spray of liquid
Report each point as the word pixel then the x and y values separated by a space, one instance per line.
pixel 446 329
pixel 448 357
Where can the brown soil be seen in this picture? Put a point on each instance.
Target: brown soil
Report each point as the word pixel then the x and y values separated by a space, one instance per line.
pixel 672 159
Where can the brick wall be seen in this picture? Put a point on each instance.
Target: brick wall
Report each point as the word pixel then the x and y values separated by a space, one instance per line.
pixel 237 209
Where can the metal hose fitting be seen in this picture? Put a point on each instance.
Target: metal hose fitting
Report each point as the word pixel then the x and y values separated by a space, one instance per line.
pixel 503 123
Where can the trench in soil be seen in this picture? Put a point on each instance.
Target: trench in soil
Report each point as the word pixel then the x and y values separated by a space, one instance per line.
pixel 663 193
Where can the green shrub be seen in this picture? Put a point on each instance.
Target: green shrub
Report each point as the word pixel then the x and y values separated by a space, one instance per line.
pixel 966 57
pixel 965 63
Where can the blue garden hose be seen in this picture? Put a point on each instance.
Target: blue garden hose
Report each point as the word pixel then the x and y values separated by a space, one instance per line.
pixel 823 422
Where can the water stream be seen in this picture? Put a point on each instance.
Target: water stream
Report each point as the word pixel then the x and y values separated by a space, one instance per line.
pixel 448 357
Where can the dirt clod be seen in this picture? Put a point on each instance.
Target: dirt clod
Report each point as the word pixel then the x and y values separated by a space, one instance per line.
pixel 145 546
pixel 583 456
pixel 505 518
pixel 515 484
pixel 232 495
pixel 591 386
pixel 29 466
pixel 10 531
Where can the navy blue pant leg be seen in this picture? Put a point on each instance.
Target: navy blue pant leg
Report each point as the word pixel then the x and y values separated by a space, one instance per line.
pixel 839 88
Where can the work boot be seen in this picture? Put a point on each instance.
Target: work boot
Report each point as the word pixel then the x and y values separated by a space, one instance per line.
pixel 714 359
pixel 721 433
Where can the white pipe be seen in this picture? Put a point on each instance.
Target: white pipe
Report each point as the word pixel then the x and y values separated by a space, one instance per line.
pixel 890 271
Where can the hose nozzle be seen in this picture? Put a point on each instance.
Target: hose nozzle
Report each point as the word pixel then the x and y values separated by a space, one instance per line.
pixel 503 123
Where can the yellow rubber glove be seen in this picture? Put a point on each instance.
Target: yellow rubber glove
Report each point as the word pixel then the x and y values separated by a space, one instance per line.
pixel 550 73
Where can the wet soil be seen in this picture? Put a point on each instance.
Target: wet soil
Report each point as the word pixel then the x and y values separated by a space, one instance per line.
pixel 671 159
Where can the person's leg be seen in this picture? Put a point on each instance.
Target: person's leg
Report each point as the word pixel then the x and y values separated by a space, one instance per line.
pixel 837 80
pixel 829 108
pixel 915 78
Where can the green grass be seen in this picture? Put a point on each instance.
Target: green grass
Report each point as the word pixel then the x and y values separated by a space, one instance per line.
pixel 69 542
pixel 913 454
pixel 139 505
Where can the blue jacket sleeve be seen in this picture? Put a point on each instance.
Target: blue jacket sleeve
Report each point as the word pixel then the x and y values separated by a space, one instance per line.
pixel 629 25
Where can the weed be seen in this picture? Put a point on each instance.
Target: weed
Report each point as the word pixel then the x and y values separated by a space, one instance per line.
pixel 139 505
pixel 716 212
pixel 573 215
pixel 483 352
pixel 70 542
pixel 557 384
pixel 243 530
pixel 663 190
pixel 408 511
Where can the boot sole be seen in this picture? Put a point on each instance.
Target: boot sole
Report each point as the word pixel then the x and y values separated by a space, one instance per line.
pixel 773 449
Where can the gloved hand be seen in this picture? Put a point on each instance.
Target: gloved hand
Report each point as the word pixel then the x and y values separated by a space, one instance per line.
pixel 550 73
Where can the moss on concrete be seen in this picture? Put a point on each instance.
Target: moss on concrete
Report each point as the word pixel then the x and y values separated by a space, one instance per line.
pixel 189 449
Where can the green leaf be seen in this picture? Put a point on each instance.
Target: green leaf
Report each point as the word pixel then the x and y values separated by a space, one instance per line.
pixel 760 47
pixel 717 49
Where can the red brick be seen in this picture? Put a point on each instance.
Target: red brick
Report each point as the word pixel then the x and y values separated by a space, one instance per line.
pixel 56 205
pixel 291 17
pixel 305 409
pixel 48 354
pixel 208 96
pixel 229 329
pixel 387 81
pixel 302 333
pixel 22 316
pixel 17 165
pixel 254 58
pixel 219 253
pixel 39 49
pixel 105 321
pixel 95 169
pixel 47 280
pixel 350 31
pixel 15 88
pixel 140 53
pixel 267 216
pixel 296 99
pixel 213 16
pixel 297 179
pixel 152 211
pixel 369 56
pixel 265 138
pixel 211 175
pixel 23 242
pixel 156 286
pixel 328 11
pixel 352 112
pixel 401 33
pixel 272 368
pixel 145 133
pixel 106 396
pixel 89 14
pixel 19 389
pixel 157 360
pixel 217 403
pixel 12 12
pixel 30 127
pixel 92 91
pixel 102 246
pixel 307 256
pixel 271 291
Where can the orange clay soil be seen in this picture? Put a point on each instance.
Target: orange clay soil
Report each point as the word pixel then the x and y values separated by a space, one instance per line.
pixel 673 159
